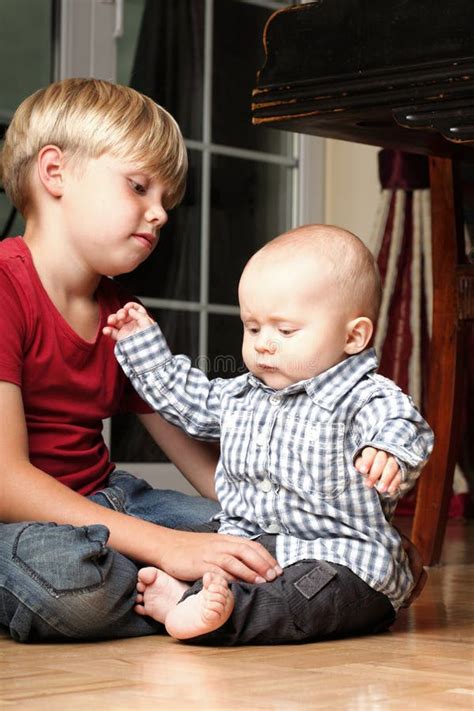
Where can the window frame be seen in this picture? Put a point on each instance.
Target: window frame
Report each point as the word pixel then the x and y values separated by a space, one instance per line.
pixel 87 46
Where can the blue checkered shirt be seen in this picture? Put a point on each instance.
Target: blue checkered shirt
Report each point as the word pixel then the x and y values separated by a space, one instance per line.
pixel 287 456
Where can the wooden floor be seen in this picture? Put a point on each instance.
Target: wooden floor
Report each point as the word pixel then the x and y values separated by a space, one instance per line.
pixel 425 662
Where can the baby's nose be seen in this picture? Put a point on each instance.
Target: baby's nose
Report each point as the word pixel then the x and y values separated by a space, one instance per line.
pixel 265 344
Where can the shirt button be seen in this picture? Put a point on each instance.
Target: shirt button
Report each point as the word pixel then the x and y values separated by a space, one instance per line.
pixel 275 399
pixel 266 485
pixel 273 528
pixel 260 439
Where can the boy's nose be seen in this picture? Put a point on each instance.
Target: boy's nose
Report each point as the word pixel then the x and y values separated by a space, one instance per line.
pixel 157 214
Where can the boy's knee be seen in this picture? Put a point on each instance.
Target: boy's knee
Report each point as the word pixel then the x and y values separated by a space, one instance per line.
pixel 63 560
pixel 63 582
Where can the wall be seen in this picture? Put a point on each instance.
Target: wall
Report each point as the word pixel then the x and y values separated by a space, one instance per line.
pixel 352 187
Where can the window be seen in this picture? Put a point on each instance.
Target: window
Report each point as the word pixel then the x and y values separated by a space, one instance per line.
pixel 26 64
pixel 199 59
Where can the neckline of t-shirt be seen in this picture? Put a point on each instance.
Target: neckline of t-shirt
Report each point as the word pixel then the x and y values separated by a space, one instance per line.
pixel 59 318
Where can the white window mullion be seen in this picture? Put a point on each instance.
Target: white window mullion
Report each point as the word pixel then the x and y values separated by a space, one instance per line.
pixel 206 178
pixel 87 45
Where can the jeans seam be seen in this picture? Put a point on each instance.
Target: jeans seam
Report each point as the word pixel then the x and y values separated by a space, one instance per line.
pixel 44 583
pixel 114 500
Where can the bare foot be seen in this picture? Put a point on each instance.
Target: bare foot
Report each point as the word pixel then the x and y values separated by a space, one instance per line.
pixel 204 612
pixel 157 593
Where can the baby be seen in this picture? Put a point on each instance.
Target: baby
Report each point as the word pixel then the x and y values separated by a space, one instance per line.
pixel 316 449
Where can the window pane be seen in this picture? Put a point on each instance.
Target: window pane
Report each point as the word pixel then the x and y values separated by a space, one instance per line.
pixel 248 209
pixel 127 43
pixel 25 66
pixel 173 270
pixel 168 63
pixel 238 55
pixel 130 442
pixel 25 50
pixel 225 346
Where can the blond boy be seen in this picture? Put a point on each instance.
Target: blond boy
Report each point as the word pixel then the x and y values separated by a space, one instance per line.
pixel 305 435
pixel 94 168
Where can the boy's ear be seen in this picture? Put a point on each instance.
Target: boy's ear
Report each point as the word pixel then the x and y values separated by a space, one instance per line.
pixel 358 334
pixel 51 169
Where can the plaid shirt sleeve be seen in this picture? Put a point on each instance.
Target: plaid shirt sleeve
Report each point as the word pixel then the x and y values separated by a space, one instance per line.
pixel 182 394
pixel 390 422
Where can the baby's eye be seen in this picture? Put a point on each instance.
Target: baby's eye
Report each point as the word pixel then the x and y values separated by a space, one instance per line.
pixel 286 331
pixel 252 329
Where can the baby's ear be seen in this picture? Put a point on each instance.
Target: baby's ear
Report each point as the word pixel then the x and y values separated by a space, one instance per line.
pixel 50 169
pixel 358 334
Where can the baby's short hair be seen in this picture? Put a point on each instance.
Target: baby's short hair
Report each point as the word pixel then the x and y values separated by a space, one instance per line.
pixel 352 266
pixel 87 118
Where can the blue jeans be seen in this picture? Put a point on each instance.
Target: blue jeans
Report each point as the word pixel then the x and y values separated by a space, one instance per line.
pixel 63 582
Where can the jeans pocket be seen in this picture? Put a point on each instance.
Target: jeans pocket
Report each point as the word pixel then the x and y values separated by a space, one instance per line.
pixel 64 560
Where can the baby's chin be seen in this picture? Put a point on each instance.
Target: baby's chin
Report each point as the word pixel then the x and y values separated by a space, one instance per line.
pixel 274 378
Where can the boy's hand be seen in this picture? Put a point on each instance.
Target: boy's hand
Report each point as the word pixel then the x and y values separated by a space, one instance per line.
pixel 130 319
pixel 380 469
pixel 187 556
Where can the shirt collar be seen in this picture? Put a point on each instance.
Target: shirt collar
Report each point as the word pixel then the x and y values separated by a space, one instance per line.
pixel 329 387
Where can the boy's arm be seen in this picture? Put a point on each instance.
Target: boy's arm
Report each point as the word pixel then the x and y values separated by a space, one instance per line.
pixel 196 460
pixel 29 494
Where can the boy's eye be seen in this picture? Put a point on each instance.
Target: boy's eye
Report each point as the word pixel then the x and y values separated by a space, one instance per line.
pixel 286 331
pixel 137 187
pixel 252 329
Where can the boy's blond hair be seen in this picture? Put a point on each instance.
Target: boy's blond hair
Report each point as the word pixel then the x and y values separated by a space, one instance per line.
pixel 86 118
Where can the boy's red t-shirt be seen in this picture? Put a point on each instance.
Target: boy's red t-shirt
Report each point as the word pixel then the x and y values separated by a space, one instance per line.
pixel 69 385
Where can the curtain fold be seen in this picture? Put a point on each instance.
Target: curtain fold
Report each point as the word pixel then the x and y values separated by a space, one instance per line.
pixel 402 245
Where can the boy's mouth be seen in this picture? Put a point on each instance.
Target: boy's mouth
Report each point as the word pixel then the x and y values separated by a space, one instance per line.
pixel 147 239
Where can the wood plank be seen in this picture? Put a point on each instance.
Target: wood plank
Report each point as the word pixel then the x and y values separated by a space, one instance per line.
pixel 426 661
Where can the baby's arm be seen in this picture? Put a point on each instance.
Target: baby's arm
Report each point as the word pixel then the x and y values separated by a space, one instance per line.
pixel 183 395
pixel 127 321
pixel 394 441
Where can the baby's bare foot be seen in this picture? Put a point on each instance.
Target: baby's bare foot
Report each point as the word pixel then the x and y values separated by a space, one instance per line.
pixel 204 612
pixel 157 593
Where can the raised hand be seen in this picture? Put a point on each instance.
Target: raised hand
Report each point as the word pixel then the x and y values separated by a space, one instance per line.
pixel 130 319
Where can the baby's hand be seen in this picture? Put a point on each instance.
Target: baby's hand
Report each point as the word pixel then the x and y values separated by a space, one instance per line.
pixel 380 469
pixel 130 319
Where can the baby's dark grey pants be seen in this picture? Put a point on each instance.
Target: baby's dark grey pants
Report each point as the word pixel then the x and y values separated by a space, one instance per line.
pixel 312 600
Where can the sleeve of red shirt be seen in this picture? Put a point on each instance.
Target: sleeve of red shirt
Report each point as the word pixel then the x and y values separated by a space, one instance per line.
pixel 13 330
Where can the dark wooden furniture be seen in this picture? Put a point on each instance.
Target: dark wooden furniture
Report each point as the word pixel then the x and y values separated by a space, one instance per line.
pixel 397 74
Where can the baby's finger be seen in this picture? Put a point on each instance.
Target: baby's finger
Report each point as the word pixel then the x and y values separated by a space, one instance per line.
pixel 390 471
pixel 133 305
pixel 364 462
pixel 141 317
pixel 396 482
pixel 376 469
pixel 111 332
